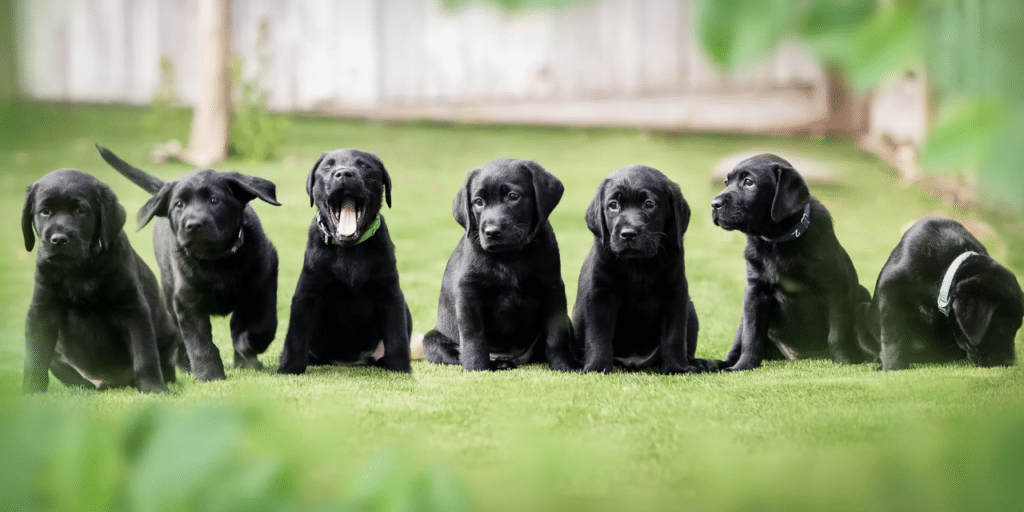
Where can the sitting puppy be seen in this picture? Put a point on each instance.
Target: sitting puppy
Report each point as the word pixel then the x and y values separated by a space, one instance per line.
pixel 802 290
pixel 940 298
pixel 96 320
pixel 348 301
pixel 214 260
pixel 502 298
pixel 633 305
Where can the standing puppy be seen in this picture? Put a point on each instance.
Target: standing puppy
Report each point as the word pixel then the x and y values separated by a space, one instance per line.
pixel 96 320
pixel 214 260
pixel 633 304
pixel 502 298
pixel 940 297
pixel 802 289
pixel 348 301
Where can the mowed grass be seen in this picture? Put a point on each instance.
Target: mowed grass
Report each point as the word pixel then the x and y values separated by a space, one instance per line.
pixel 809 435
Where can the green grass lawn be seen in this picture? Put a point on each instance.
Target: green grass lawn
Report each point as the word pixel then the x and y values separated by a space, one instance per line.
pixel 806 435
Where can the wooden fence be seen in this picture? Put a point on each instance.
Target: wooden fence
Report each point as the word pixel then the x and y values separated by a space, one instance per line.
pixel 588 63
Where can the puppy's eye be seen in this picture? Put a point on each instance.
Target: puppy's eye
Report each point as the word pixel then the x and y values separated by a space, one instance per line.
pixel 649 204
pixel 478 202
pixel 45 212
pixel 513 196
pixel 81 210
pixel 179 204
pixel 726 181
pixel 214 200
pixel 747 182
pixel 613 206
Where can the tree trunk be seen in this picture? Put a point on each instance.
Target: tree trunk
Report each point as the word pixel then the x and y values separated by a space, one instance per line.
pixel 847 110
pixel 211 114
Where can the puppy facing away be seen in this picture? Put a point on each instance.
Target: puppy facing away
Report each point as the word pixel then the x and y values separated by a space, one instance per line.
pixel 633 303
pixel 502 298
pixel 940 297
pixel 348 302
pixel 802 290
pixel 214 260
pixel 95 320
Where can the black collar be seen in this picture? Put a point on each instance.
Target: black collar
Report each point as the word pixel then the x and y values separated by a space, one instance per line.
pixel 796 230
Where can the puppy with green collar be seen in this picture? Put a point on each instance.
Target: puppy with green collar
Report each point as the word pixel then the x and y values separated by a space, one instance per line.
pixel 348 307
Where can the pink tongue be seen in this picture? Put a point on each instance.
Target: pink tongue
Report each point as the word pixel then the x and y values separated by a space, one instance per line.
pixel 347 219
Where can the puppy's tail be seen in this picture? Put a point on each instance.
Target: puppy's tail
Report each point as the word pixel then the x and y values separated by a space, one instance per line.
pixel 148 182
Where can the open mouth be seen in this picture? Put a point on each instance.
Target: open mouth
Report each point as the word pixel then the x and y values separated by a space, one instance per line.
pixel 346 213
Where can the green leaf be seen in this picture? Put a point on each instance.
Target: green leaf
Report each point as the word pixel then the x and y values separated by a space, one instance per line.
pixel 739 32
pixel 828 27
pixel 964 135
pixel 886 45
pixel 184 457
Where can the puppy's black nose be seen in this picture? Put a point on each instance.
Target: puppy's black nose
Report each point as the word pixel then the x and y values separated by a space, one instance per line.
pixel 192 225
pixel 343 173
pixel 627 234
pixel 492 231
pixel 717 202
pixel 58 239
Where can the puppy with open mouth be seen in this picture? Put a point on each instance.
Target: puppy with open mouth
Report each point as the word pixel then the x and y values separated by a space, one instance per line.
pixel 348 307
pixel 502 300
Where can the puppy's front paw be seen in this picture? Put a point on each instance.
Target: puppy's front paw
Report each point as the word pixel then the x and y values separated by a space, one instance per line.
pixel 503 363
pixel 291 369
pixel 146 386
pixel 707 365
pixel 249 363
pixel 679 369
pixel 398 366
pixel 602 368
pixel 561 365
pixel 739 367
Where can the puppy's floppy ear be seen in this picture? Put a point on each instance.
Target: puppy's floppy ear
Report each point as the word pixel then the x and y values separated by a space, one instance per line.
pixel 680 211
pixel 595 213
pixel 311 179
pixel 461 209
pixel 973 315
pixel 112 215
pixel 246 188
pixel 156 206
pixel 384 176
pixel 27 213
pixel 547 189
pixel 791 193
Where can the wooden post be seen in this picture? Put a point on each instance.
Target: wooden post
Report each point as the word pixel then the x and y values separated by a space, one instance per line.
pixel 211 114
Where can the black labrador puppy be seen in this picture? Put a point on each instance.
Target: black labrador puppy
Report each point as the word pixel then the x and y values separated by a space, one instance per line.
pixel 348 301
pixel 633 303
pixel 502 298
pixel 802 290
pixel 95 320
pixel 941 298
pixel 214 260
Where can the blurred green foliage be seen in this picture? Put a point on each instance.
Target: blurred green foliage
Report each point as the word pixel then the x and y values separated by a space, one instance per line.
pixel 255 135
pixel 971 51
pixel 214 457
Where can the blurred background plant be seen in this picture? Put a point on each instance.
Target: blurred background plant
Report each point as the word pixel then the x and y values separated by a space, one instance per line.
pixel 256 134
pixel 970 52
pixel 223 457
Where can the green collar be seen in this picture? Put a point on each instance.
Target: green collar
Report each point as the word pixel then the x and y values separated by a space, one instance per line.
pixel 329 240
pixel 947 280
